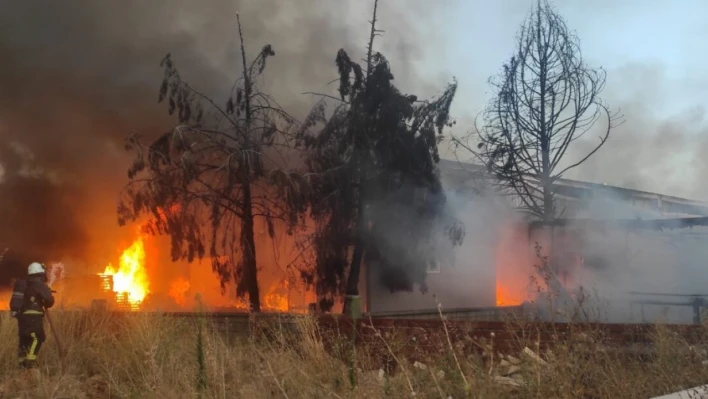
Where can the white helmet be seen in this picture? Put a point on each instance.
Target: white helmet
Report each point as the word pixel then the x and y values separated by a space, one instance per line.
pixel 35 268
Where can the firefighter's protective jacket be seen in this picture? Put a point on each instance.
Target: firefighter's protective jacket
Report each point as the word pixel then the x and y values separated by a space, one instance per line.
pixel 38 296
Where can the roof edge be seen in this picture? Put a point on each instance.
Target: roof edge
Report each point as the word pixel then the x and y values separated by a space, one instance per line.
pixel 450 164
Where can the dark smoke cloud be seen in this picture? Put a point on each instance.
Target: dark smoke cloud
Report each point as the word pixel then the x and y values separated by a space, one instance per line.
pixel 76 77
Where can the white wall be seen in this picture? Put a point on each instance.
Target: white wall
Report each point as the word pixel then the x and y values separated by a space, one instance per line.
pixel 468 279
pixel 466 283
pixel 616 262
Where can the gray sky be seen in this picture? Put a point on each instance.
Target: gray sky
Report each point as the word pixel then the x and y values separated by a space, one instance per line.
pixel 664 37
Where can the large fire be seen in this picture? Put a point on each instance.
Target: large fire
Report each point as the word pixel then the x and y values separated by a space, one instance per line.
pixel 143 278
pixel 130 279
pixel 130 283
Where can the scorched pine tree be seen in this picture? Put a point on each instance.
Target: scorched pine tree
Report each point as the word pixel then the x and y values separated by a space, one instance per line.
pixel 209 179
pixel 376 193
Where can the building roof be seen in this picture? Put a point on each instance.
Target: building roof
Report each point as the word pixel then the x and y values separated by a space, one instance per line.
pixel 462 174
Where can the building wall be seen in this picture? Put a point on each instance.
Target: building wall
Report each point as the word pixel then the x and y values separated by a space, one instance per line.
pixel 611 263
pixel 499 257
pixel 464 280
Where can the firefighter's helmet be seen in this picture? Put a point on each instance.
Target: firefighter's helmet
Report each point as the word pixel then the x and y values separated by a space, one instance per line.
pixel 35 268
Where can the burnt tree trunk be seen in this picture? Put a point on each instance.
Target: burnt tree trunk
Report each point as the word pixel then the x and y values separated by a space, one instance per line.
pixel 352 288
pixel 248 241
pixel 249 279
pixel 355 268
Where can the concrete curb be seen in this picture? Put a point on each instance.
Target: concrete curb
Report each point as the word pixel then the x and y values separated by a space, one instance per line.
pixel 699 392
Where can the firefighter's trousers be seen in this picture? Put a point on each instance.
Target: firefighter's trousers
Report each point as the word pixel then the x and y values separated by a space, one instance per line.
pixel 32 336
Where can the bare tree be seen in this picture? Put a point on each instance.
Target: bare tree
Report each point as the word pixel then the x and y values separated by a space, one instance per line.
pixel 217 174
pixel 546 97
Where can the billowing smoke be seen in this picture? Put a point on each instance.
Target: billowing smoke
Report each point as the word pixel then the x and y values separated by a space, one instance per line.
pixel 465 275
pixel 477 263
pixel 76 78
pixel 658 148
pixel 620 266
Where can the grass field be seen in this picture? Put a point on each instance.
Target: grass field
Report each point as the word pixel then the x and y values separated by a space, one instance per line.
pixel 143 356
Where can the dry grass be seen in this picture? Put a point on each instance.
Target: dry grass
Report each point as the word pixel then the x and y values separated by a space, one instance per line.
pixel 142 356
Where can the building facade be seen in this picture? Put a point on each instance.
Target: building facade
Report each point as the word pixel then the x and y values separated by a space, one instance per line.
pixel 615 242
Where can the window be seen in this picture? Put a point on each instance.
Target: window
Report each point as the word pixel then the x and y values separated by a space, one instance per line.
pixel 433 267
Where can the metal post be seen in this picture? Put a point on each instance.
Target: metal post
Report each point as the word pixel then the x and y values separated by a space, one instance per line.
pixel 697 305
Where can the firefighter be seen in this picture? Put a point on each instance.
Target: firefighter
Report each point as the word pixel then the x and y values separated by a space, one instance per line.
pixel 38 297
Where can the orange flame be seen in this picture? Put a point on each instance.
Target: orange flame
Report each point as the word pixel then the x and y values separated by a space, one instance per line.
pixel 513 266
pixel 508 297
pixel 131 286
pixel 178 291
pixel 130 279
pixel 275 300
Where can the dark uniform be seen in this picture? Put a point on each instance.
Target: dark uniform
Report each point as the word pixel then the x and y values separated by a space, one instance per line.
pixel 38 296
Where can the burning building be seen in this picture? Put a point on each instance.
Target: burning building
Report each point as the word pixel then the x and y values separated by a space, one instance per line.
pixel 629 248
pixel 642 250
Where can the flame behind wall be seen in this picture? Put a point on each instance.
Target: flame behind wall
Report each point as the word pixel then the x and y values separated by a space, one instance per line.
pixel 514 269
